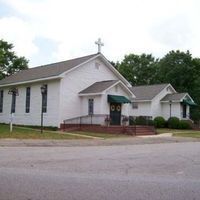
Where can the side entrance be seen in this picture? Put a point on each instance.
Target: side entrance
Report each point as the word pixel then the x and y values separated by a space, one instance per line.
pixel 115 113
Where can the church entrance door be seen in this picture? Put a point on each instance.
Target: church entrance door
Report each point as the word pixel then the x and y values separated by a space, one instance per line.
pixel 115 113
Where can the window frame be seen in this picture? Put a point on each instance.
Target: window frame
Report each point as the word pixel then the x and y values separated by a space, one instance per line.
pixel 13 103
pixel 134 105
pixel 1 100
pixel 28 100
pixel 44 99
pixel 90 106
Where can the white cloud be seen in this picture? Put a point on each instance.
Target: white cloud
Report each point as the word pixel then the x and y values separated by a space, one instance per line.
pixel 126 26
pixel 19 33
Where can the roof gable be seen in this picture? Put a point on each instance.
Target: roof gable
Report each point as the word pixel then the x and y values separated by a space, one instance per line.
pixel 176 97
pixel 98 87
pixel 102 86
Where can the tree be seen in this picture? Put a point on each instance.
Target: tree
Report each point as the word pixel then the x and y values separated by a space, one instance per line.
pixel 10 63
pixel 183 72
pixel 179 69
pixel 138 69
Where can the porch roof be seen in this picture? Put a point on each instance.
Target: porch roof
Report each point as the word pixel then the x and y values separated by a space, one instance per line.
pixel 188 102
pixel 99 87
pixel 179 97
pixel 174 97
pixel 118 99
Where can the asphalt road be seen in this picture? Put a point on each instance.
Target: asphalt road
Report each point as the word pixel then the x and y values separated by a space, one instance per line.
pixel 149 171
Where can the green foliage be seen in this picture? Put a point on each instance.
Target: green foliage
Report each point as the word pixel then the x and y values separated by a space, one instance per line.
pixel 9 62
pixel 131 121
pixel 159 122
pixel 184 125
pixel 181 70
pixel 150 122
pixel 195 114
pixel 173 122
pixel 142 120
pixel 138 69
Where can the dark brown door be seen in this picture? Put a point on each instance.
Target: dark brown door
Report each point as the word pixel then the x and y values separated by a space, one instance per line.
pixel 115 113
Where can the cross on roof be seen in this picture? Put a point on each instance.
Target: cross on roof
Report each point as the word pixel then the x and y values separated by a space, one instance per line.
pixel 100 44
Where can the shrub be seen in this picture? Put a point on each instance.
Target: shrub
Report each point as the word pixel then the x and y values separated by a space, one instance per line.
pixel 150 122
pixel 141 120
pixel 159 122
pixel 131 120
pixel 184 125
pixel 173 122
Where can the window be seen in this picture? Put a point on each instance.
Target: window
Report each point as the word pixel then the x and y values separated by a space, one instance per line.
pixel 134 105
pixel 1 101
pixel 44 100
pixel 90 106
pixel 28 96
pixel 13 103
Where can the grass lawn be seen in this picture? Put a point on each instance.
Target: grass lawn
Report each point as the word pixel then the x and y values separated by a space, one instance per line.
pixel 102 135
pixel 189 133
pixel 180 132
pixel 26 133
pixel 167 130
pixel 30 133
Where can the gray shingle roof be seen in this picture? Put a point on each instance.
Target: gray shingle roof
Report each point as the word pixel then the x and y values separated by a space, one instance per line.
pixel 147 92
pixel 173 97
pixel 45 71
pixel 98 87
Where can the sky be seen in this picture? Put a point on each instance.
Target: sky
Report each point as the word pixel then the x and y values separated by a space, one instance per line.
pixel 46 31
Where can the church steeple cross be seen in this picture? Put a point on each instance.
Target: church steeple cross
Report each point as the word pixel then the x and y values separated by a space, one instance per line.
pixel 99 44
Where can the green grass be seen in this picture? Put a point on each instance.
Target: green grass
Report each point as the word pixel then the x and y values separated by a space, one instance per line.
pixel 26 133
pixel 193 134
pixel 180 132
pixel 102 135
pixel 167 130
pixel 30 133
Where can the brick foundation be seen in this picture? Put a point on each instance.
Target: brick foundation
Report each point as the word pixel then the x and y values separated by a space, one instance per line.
pixel 129 130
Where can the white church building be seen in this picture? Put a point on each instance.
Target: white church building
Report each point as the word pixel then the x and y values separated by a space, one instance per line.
pixel 84 90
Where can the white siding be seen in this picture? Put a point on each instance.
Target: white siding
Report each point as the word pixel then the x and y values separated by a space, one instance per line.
pixel 144 109
pixel 77 80
pixel 33 118
pixel 175 110
pixel 156 105
pixel 97 104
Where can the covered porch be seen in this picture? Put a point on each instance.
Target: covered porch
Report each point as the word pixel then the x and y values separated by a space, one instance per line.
pixel 177 105
pixel 105 102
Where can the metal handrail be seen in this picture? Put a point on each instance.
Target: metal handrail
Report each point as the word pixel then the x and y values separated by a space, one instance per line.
pixel 92 119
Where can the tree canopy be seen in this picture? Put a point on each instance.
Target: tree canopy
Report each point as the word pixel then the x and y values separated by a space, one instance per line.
pixel 179 69
pixel 138 69
pixel 10 63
